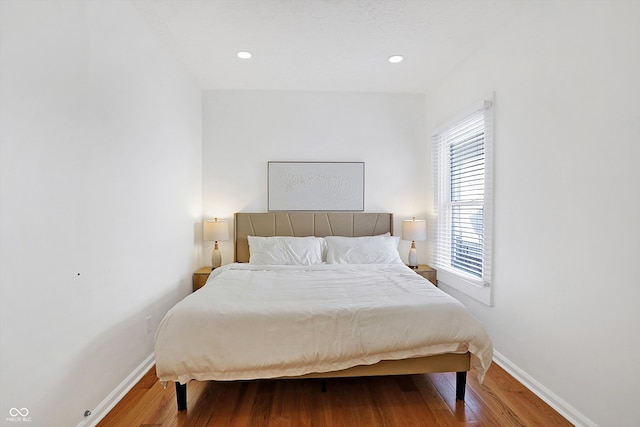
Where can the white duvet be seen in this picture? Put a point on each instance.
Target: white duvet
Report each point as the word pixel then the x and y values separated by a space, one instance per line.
pixel 252 322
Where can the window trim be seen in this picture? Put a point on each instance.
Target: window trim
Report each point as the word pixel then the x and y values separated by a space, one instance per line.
pixel 477 288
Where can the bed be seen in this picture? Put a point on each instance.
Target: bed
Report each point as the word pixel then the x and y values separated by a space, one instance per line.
pixel 316 295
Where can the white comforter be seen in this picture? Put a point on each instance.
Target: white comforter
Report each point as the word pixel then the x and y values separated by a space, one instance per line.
pixel 252 322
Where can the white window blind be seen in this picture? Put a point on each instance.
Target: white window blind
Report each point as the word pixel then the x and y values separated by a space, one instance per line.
pixel 462 156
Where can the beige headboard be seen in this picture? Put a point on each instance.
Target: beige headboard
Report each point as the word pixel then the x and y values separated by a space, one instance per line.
pixel 300 224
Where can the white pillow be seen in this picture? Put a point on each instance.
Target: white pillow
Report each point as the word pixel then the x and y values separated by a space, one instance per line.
pixel 363 250
pixel 281 250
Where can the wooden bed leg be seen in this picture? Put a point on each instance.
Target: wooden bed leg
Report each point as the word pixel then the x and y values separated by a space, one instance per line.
pixel 181 396
pixel 461 384
pixel 323 386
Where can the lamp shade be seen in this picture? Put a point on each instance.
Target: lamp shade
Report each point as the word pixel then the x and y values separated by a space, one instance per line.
pixel 414 229
pixel 215 230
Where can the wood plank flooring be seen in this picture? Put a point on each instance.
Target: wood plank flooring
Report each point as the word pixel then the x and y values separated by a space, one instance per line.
pixel 394 401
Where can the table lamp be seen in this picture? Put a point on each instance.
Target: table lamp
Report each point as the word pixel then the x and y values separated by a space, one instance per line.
pixel 414 229
pixel 215 230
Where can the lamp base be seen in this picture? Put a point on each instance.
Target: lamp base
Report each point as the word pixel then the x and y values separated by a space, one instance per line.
pixel 413 256
pixel 216 258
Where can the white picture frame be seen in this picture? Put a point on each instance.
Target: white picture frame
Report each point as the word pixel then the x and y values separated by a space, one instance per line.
pixel 315 186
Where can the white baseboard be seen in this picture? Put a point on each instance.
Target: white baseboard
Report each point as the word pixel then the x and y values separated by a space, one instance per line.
pixel 561 406
pixel 118 393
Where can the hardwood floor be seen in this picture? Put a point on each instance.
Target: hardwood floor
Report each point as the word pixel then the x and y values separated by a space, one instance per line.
pixel 414 400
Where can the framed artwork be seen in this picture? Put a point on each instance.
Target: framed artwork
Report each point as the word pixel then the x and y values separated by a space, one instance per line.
pixel 315 186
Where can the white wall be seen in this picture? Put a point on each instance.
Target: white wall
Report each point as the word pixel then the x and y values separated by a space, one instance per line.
pixel 567 230
pixel 100 169
pixel 243 130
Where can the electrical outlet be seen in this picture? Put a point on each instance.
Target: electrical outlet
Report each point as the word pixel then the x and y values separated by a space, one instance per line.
pixel 148 324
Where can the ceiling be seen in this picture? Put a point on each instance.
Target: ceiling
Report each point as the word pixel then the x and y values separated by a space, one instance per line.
pixel 325 45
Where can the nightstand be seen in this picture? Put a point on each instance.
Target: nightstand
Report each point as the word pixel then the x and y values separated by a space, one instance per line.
pixel 428 273
pixel 200 277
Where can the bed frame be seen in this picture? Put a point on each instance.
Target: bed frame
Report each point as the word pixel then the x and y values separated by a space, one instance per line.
pixel 322 224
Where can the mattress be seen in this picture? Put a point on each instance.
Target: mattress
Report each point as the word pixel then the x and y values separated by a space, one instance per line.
pixel 252 321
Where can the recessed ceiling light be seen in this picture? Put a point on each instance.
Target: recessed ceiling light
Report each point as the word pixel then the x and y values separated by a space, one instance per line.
pixel 394 59
pixel 244 55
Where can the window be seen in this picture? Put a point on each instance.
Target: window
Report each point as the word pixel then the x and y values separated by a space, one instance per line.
pixel 462 155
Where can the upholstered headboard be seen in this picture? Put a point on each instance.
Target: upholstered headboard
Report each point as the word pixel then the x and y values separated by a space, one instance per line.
pixel 300 224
